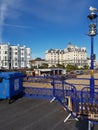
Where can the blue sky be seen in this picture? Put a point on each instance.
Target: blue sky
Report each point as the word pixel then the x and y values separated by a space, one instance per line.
pixel 46 24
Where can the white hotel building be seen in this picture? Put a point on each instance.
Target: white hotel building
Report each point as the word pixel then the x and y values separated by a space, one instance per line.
pixel 14 56
pixel 70 55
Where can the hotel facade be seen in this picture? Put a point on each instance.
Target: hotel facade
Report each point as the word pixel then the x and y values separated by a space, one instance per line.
pixel 14 56
pixel 71 55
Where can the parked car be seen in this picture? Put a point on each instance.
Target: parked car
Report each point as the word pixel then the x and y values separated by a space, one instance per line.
pixel 79 72
pixel 71 74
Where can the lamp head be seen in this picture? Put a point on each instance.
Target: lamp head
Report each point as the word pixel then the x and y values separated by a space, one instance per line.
pixel 93 21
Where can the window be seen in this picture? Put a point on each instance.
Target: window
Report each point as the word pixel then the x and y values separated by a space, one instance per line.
pixel 22 58
pixel 15 63
pixel 28 54
pixel 6 52
pixel 22 54
pixel 15 48
pixel 5 58
pixel 5 63
pixel 22 49
pixel 15 59
pixel 15 53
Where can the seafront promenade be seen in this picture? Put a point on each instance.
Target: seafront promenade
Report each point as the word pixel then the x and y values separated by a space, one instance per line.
pixel 36 114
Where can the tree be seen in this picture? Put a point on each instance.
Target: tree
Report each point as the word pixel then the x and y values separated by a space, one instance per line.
pixel 43 66
pixel 70 67
pixel 53 66
pixel 85 67
pixel 60 66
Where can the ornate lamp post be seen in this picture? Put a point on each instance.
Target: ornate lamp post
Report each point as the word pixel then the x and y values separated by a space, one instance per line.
pixel 92 32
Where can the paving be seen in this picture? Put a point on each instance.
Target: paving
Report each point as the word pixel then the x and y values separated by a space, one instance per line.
pixel 36 114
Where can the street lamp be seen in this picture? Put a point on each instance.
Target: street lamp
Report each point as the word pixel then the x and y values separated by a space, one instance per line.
pixel 92 32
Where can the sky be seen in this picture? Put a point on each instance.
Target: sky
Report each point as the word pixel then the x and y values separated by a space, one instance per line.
pixel 46 24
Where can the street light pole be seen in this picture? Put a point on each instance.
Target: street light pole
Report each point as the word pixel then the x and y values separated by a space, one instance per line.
pixel 92 53
pixel 92 32
pixel 92 83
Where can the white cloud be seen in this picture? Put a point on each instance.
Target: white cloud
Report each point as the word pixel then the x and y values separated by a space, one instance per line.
pixel 8 9
pixel 2 17
pixel 16 26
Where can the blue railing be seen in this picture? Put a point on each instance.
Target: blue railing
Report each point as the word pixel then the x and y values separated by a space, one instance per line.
pixel 45 93
pixel 59 88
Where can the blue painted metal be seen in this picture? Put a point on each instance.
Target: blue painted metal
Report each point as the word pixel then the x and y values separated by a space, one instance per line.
pixel 92 82
pixel 10 84
pixel 92 52
pixel 60 90
pixel 44 93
